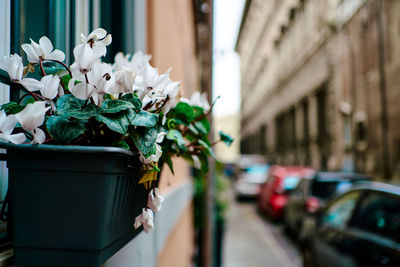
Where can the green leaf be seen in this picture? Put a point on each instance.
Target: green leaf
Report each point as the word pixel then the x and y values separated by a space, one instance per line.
pixel 122 144
pixel 177 137
pixel 12 108
pixel 4 78
pixel 207 148
pixel 54 70
pixel 70 106
pixel 171 124
pixel 146 119
pixel 193 129
pixel 133 99
pixel 168 160
pixel 115 105
pixel 117 122
pixel 64 130
pixel 203 126
pixel 152 151
pixel 182 111
pixel 198 111
pixel 227 139
pixel 65 79
pixel 144 138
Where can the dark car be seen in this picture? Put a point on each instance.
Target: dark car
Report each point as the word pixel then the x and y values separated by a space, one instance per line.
pixel 275 191
pixel 310 195
pixel 360 227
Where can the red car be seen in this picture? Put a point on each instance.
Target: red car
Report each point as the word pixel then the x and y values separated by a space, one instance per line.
pixel 274 193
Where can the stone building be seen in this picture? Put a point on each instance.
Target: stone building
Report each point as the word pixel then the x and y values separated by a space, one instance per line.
pixel 320 83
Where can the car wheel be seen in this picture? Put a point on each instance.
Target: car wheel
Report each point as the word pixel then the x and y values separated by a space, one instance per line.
pixel 307 257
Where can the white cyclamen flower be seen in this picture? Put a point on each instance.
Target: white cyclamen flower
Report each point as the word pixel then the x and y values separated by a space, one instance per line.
pixel 48 85
pixel 124 80
pixel 148 80
pixel 97 40
pixel 100 79
pixel 42 51
pixel 137 62
pixel 85 58
pixel 31 117
pixel 199 100
pixel 172 99
pixel 154 200
pixel 14 67
pixel 145 219
pixel 7 125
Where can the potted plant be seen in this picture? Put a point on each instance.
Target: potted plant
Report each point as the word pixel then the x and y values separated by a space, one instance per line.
pixel 84 148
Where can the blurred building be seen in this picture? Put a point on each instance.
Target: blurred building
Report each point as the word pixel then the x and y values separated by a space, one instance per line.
pixel 320 83
pixel 229 124
pixel 173 32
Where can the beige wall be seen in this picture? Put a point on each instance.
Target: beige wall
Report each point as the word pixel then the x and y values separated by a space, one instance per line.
pixel 171 41
pixel 179 249
pixel 333 44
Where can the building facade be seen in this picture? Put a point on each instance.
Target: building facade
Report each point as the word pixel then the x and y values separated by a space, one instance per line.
pixel 166 29
pixel 320 83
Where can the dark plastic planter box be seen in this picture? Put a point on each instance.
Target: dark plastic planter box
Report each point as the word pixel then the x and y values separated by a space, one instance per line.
pixel 72 205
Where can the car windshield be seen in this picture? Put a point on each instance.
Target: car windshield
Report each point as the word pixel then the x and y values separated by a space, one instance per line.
pixel 290 182
pixel 324 189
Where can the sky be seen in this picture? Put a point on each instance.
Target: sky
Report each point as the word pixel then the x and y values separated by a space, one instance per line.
pixel 226 72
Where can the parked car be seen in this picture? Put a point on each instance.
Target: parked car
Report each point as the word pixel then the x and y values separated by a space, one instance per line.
pixel 274 192
pixel 360 227
pixel 310 195
pixel 252 171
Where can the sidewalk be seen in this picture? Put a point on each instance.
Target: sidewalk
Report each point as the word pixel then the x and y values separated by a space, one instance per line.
pixel 250 241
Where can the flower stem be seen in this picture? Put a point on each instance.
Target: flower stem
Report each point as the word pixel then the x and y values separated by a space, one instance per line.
pixel 41 67
pixel 63 64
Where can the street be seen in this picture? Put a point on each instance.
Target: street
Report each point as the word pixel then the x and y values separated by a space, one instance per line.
pixel 252 240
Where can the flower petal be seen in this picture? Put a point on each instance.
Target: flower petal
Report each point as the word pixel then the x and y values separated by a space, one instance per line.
pixel 31 84
pixel 30 53
pixel 32 116
pixel 97 34
pixel 56 55
pixel 38 136
pixel 14 138
pixel 81 90
pixel 50 86
pixel 45 45
pixel 8 124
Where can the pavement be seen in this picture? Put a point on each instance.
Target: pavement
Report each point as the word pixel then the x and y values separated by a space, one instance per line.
pixel 251 240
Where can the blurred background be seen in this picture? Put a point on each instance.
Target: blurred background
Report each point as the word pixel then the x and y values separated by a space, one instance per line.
pixel 309 91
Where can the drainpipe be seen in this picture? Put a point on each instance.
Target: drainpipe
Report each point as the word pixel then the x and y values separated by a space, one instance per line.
pixel 382 89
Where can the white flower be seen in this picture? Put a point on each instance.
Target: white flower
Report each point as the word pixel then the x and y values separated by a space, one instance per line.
pixel 196 162
pixel 199 100
pixel 154 200
pixel 172 92
pixel 14 67
pixel 148 80
pixel 7 125
pixel 145 219
pixel 48 85
pixel 100 79
pixel 97 40
pixel 85 58
pixel 124 79
pixel 154 157
pixel 42 51
pixel 139 61
pixel 31 117
pixel 136 63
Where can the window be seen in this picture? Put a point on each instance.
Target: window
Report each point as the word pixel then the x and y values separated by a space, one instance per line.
pixel 379 213
pixel 339 212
